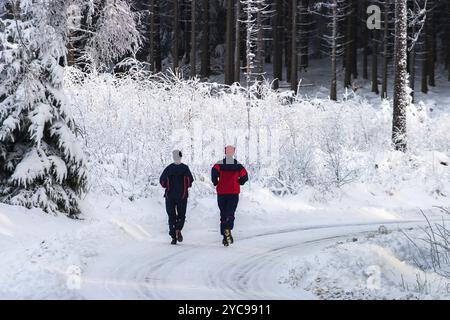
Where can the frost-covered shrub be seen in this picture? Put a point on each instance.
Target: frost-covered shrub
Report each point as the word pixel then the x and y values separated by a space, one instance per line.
pixel 131 124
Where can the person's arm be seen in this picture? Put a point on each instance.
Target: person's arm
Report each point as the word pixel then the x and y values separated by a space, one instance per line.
pixel 189 177
pixel 163 178
pixel 243 176
pixel 215 174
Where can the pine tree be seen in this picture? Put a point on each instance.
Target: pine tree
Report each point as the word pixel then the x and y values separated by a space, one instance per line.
pixel 41 163
pixel 107 33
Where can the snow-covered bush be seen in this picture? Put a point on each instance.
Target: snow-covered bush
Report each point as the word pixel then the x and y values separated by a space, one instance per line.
pixel 130 124
pixel 41 162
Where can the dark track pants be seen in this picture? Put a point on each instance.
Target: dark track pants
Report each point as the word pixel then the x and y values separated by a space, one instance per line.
pixel 176 210
pixel 227 205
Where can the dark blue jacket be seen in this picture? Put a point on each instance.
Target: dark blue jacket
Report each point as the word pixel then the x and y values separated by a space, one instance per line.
pixel 176 179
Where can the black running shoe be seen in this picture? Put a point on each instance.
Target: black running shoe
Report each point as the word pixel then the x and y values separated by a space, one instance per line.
pixel 228 236
pixel 225 242
pixel 179 236
pixel 174 241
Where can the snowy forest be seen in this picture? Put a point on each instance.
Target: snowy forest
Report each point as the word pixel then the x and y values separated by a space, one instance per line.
pixel 338 112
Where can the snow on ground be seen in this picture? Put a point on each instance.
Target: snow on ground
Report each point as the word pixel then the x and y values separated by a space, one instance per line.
pixel 337 171
pixel 117 242
pixel 374 266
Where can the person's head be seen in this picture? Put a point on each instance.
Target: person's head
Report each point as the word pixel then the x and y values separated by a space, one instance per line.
pixel 177 155
pixel 230 151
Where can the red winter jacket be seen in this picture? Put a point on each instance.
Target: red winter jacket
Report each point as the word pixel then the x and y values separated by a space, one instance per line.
pixel 228 178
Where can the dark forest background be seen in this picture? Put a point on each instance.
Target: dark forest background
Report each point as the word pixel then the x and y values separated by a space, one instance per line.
pixel 208 38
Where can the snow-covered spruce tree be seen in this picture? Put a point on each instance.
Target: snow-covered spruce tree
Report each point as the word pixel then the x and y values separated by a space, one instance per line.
pixel 104 32
pixel 41 163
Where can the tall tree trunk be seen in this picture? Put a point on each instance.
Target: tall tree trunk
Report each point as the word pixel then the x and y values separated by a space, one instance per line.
pixel 294 66
pixel 157 38
pixel 278 44
pixel 384 82
pixel 151 36
pixel 348 63
pixel 333 89
pixel 400 81
pixel 412 67
pixel 187 31
pixel 229 60
pixel 205 57
pixel 424 75
pixel 375 62
pixel 448 40
pixel 304 34
pixel 354 45
pixel 193 57
pixel 426 52
pixel 176 35
pixel 288 41
pixel 260 45
pixel 237 50
pixel 154 37
pixel 432 46
pixel 365 43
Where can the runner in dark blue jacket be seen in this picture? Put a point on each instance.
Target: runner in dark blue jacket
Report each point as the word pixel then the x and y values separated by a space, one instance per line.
pixel 176 179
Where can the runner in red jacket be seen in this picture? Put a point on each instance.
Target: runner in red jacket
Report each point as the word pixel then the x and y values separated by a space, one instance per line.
pixel 228 175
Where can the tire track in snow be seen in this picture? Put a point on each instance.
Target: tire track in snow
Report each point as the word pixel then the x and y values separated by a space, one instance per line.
pixel 249 269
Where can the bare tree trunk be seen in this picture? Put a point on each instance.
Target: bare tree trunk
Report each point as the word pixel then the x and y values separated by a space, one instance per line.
pixel 193 57
pixel 365 43
pixel 412 68
pixel 154 37
pixel 237 48
pixel 151 35
pixel 260 46
pixel 294 66
pixel 304 34
pixel 157 37
pixel 333 90
pixel 426 53
pixel 176 35
pixel 348 51
pixel 186 18
pixel 447 62
pixel 229 60
pixel 375 62
pixel 385 50
pixel 424 82
pixel 432 47
pixel 400 81
pixel 288 49
pixel 350 45
pixel 354 45
pixel 206 67
pixel 278 44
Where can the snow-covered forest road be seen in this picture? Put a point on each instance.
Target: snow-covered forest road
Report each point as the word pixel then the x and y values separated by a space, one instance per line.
pixel 201 269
